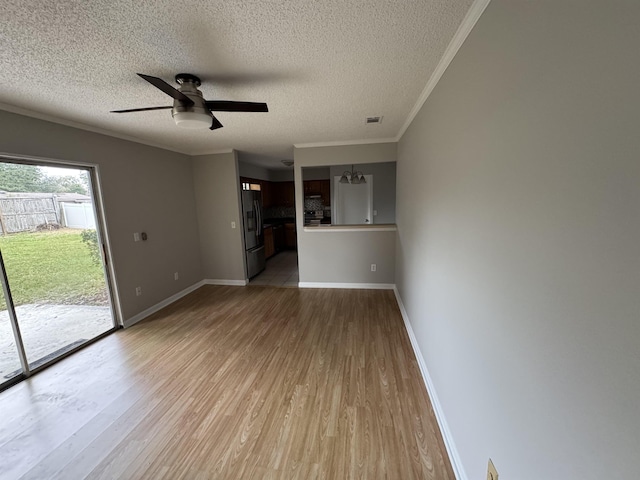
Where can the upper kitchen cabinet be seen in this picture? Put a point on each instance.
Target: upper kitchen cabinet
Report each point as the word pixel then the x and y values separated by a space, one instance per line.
pixel 312 187
pixel 267 195
pixel 282 194
pixel 318 187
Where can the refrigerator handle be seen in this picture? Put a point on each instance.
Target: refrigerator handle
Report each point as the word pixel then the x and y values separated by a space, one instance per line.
pixel 256 206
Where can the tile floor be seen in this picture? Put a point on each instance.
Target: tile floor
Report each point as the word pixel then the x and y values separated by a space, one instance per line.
pixel 281 271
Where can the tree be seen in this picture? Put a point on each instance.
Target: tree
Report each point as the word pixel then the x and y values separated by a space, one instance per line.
pixel 16 177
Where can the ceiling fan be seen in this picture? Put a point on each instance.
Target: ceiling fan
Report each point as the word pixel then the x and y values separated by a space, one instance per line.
pixel 190 109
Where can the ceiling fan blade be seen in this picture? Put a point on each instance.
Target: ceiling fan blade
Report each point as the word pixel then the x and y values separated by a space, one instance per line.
pixel 166 88
pixel 215 123
pixel 228 106
pixel 140 109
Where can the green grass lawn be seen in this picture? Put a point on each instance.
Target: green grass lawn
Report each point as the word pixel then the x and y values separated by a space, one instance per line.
pixel 52 267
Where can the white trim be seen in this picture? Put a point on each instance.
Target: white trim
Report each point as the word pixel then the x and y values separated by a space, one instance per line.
pixel 160 305
pixel 359 286
pixel 340 143
pixel 351 228
pixel 216 281
pixel 212 152
pixel 447 437
pixel 469 21
pixel 81 126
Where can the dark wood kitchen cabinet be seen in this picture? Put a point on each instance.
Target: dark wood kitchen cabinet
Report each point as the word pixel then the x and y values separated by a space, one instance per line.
pixel 269 245
pixel 290 239
pixel 278 237
pixel 325 192
pixel 282 194
pixel 318 187
pixel 312 187
pixel 267 200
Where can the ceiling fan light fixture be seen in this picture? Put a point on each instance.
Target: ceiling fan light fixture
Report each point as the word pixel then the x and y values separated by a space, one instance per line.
pixel 192 120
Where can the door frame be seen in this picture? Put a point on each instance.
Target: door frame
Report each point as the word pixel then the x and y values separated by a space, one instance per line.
pixel 335 211
pixel 106 254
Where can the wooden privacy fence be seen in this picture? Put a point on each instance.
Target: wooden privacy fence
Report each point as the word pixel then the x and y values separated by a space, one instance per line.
pixel 22 213
pixel 26 212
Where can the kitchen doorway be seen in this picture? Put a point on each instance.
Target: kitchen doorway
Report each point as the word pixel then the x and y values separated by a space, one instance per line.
pixel 281 270
pixel 56 294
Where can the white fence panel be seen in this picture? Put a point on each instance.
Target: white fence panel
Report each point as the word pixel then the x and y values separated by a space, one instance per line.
pixel 78 215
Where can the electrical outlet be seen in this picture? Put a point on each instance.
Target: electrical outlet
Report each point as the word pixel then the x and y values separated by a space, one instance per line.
pixel 176 276
pixel 136 237
pixel 233 224
pixel 373 267
pixel 492 473
pixel 138 291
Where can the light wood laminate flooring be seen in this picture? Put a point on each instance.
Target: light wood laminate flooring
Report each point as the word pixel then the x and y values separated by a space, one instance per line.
pixel 233 383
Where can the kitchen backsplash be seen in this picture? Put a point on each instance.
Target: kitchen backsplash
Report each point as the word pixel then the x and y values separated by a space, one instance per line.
pixel 279 212
pixel 313 204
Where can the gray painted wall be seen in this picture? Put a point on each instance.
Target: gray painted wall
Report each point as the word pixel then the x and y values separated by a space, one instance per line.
pixel 343 257
pixel 144 189
pixel 316 173
pixel 217 193
pixel 255 171
pixel 518 256
pixel 252 171
pixel 281 175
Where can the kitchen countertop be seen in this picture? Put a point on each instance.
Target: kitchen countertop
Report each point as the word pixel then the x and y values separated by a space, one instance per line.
pixel 279 221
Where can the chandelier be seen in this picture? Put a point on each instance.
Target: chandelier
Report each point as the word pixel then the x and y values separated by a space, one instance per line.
pixel 353 177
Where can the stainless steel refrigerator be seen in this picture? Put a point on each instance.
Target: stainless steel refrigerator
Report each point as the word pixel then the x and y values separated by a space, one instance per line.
pixel 253 232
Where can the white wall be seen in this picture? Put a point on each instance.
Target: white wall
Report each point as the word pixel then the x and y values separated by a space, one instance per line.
pixel 518 253
pixel 217 192
pixel 145 189
pixel 343 257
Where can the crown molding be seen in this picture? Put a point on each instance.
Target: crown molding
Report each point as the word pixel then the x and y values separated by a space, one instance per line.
pixel 212 152
pixel 469 21
pixel 341 143
pixel 81 126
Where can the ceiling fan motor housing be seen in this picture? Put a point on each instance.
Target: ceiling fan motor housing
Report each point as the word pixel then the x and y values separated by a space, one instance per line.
pixel 192 116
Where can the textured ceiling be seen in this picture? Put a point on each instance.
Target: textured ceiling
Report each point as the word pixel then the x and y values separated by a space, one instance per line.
pixel 322 66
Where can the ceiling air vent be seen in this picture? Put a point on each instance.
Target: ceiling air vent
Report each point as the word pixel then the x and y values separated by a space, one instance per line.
pixel 373 120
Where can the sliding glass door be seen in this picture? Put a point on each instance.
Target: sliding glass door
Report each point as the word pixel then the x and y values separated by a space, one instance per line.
pixel 10 363
pixel 56 296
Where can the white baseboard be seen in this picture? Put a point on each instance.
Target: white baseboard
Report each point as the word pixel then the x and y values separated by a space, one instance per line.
pixel 454 457
pixel 234 283
pixel 160 305
pixel 360 286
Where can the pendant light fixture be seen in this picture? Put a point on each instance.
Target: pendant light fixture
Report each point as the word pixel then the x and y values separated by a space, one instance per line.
pixel 352 177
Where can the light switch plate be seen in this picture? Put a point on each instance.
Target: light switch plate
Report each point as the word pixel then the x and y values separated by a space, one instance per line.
pixel 233 224
pixel 136 237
